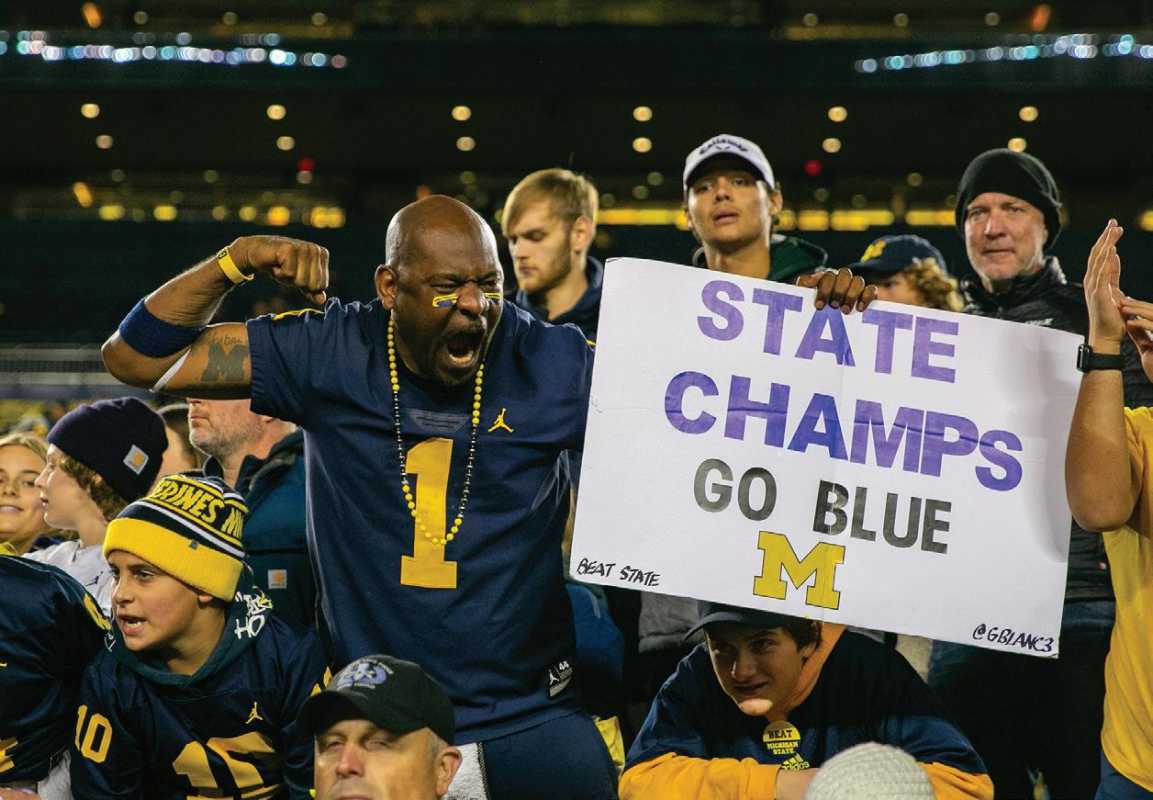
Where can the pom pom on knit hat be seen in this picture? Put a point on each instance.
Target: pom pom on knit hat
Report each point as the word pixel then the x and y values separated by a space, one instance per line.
pixel 870 771
pixel 121 440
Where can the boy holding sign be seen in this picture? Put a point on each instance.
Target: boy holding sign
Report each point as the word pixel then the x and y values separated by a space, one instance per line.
pixel 767 699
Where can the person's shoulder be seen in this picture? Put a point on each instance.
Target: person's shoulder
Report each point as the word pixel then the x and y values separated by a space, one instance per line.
pixel 107 677
pixel 30 582
pixel 289 647
pixel 537 337
pixel 792 256
pixel 336 314
pixel 694 677
pixel 54 554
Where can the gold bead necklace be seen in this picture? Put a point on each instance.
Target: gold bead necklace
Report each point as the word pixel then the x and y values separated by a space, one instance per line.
pixel 405 487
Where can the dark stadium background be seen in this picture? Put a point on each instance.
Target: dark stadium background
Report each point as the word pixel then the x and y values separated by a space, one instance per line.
pixel 195 158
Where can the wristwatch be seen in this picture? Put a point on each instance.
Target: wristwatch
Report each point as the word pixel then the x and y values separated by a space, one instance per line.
pixel 1087 360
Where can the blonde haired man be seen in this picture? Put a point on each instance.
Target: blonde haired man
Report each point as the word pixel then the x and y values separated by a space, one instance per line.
pixel 549 222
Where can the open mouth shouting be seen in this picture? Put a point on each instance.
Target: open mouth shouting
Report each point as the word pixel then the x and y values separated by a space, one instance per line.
pixel 462 349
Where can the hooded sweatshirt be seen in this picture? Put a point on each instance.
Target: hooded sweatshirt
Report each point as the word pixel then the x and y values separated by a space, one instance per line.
pixel 695 742
pixel 228 730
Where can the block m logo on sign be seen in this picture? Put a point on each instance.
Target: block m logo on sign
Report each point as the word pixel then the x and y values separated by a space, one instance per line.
pixel 819 564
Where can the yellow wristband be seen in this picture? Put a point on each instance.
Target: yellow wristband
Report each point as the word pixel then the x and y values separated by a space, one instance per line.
pixel 229 268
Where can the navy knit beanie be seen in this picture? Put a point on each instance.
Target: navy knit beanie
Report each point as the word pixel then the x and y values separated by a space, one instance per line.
pixel 1017 174
pixel 121 440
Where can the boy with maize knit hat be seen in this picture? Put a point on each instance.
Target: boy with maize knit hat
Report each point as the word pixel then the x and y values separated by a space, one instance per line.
pixel 199 687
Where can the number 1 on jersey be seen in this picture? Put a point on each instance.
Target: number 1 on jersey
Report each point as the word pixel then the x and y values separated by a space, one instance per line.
pixel 429 461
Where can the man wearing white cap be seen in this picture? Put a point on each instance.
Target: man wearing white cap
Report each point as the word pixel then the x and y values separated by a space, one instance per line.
pixel 731 198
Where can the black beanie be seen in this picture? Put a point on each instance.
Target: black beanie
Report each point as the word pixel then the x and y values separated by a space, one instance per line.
pixel 1017 174
pixel 121 440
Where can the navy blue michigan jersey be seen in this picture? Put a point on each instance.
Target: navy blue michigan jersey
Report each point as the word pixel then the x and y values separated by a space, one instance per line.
pixel 50 628
pixel 229 731
pixel 486 615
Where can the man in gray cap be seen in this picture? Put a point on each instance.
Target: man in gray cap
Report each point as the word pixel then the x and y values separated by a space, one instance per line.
pixel 383 731
pixel 1023 713
pixel 731 200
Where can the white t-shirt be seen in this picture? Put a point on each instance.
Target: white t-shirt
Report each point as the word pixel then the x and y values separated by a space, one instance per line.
pixel 86 564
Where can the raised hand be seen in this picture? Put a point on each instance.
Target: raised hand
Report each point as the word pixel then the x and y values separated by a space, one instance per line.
pixel 841 289
pixel 291 262
pixel 1103 295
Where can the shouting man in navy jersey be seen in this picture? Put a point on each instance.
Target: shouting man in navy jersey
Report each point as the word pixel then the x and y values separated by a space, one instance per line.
pixel 434 418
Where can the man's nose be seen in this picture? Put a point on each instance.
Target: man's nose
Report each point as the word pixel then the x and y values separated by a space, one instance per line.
pixel 471 300
pixel 351 761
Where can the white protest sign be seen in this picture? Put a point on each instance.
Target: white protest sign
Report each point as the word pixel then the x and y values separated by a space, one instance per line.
pixel 900 469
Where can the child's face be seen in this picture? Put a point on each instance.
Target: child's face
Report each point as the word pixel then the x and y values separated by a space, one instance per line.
pixel 64 501
pixel 21 513
pixel 152 609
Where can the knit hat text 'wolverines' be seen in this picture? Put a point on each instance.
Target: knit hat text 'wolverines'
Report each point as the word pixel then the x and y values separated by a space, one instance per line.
pixel 190 527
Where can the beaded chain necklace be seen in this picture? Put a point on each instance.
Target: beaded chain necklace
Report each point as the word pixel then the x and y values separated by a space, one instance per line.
pixel 405 487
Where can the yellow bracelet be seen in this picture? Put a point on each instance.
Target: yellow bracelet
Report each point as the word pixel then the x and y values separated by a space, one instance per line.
pixel 229 268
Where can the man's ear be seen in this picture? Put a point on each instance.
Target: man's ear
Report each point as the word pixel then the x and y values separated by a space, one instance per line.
pixel 385 280
pixel 581 234
pixel 447 763
pixel 204 600
pixel 689 222
pixel 776 201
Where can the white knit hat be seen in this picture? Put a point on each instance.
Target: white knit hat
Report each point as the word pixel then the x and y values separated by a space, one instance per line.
pixel 870 771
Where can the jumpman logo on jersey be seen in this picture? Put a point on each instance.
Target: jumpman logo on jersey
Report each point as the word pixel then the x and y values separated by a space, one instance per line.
pixel 500 424
pixel 253 715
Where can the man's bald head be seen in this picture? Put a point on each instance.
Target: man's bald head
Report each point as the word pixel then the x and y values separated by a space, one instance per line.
pixel 421 230
pixel 442 285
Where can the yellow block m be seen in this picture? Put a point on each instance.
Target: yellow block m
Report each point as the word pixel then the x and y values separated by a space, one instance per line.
pixel 820 564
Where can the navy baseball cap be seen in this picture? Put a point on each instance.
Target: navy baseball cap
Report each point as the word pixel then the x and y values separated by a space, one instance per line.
pixel 709 612
pixel 389 692
pixel 891 254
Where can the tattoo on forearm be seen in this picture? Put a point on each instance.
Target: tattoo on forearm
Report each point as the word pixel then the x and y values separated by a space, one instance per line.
pixel 225 362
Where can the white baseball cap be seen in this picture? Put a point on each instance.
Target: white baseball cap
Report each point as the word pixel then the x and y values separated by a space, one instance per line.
pixel 725 144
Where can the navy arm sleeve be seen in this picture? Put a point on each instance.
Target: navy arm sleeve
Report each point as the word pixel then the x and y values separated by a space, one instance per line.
pixel 914 720
pixel 673 724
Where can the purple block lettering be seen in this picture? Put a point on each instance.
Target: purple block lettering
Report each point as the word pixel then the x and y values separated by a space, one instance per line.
pixel 936 446
pixel 999 458
pixel 837 343
pixel 887 323
pixel 723 308
pixel 908 424
pixel 741 407
pixel 822 408
pixel 777 303
pixel 924 346
pixel 674 402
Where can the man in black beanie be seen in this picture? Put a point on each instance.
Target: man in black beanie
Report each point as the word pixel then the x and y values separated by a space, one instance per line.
pixel 1026 714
